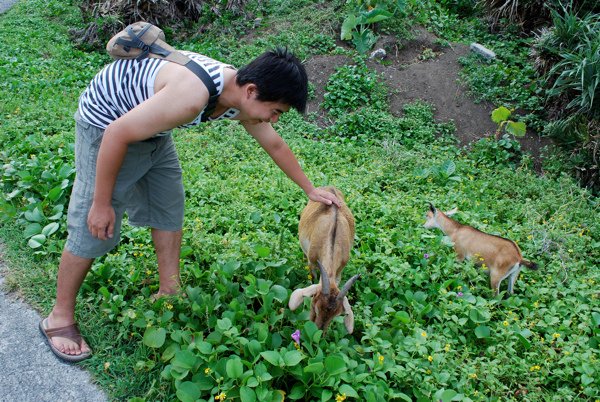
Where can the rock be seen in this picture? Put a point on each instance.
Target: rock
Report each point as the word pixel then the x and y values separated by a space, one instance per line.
pixel 379 54
pixel 483 51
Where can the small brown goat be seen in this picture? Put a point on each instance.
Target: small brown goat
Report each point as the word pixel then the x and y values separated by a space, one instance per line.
pixel 502 256
pixel 326 235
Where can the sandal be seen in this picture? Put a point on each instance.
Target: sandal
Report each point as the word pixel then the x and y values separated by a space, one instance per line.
pixel 70 332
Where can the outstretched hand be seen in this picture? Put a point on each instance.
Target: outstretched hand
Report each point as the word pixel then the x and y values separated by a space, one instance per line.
pixel 324 196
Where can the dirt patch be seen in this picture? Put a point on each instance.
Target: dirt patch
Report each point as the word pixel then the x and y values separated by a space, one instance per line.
pixel 422 69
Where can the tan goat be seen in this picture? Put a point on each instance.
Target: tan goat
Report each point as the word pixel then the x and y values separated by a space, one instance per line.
pixel 326 235
pixel 502 256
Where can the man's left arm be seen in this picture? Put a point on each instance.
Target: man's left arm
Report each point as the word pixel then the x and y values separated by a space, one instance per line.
pixel 282 155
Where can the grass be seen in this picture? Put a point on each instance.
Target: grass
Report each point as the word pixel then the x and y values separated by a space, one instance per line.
pixel 416 336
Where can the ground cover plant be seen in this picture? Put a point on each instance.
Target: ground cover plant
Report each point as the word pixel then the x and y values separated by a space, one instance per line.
pixel 427 327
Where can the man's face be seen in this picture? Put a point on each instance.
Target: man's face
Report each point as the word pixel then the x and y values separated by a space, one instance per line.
pixel 255 111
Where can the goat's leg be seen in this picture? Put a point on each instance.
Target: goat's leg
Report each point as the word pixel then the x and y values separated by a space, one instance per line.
pixel 514 274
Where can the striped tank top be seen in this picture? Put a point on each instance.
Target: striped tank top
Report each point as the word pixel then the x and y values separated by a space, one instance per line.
pixel 124 84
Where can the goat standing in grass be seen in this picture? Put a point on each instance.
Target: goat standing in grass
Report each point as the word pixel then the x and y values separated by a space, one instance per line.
pixel 326 235
pixel 502 256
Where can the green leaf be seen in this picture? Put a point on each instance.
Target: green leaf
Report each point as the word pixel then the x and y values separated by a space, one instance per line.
pixel 279 293
pixel 501 114
pixel 34 216
pixel 522 337
pixel 482 331
pixel 292 358
pixel 448 167
pixel 256 217
pixel 347 26
pixel 297 392
pixel 272 357
pixel 254 347
pixel 55 193
pixel 32 229
pixel 234 368
pixel 376 15
pixel 478 316
pixel 50 228
pixel 188 391
pixel 36 241
pixel 335 365
pixel 184 359
pixel 154 337
pixel 314 368
pixel 185 251
pixel 247 394
pixel 518 129
pixel 204 347
pixel 262 251
pixel 348 390
pixel 224 324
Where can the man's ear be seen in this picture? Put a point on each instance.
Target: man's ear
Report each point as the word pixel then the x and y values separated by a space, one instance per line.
pixel 251 91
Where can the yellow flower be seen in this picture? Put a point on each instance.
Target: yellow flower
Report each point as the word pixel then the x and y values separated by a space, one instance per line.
pixel 169 306
pixel 381 359
pixel 474 375
pixel 340 398
pixel 430 358
pixel 459 288
pixel 428 371
pixel 556 335
pixel 424 334
pixel 207 371
pixel 505 323
pixel 447 347
pixel 535 368
pixel 309 276
pixel 221 396
pixel 536 304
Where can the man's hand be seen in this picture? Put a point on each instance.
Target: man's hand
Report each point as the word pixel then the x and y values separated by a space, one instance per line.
pixel 101 221
pixel 324 196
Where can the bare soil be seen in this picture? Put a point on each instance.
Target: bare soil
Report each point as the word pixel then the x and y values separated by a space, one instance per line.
pixel 422 69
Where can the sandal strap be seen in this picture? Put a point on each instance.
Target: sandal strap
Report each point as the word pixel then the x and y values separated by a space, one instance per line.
pixel 70 332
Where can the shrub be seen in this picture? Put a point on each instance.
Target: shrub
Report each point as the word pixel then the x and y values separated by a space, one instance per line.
pixel 108 17
pixel 351 87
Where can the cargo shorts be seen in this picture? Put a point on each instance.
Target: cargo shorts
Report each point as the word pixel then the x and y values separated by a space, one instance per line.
pixel 149 188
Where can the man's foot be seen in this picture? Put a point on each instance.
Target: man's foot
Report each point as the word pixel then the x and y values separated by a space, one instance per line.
pixel 65 340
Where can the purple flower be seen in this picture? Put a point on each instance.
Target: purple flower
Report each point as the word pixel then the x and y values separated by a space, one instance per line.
pixel 296 336
pixel 426 256
pixel 459 294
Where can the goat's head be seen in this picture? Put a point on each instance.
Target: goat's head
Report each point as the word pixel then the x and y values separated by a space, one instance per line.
pixel 431 218
pixel 328 301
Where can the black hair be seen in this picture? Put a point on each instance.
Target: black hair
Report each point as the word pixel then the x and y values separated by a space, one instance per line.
pixel 279 77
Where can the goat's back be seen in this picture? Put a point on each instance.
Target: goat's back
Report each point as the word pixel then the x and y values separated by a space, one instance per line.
pixel 327 232
pixel 476 242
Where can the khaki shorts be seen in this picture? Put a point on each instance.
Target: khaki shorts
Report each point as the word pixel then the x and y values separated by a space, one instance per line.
pixel 149 188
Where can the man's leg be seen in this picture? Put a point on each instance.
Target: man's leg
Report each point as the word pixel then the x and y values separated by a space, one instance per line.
pixel 168 247
pixel 71 273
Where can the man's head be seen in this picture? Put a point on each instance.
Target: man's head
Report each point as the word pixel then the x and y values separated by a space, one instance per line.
pixel 279 77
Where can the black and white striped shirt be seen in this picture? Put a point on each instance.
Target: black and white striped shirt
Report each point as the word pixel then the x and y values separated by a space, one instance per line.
pixel 124 84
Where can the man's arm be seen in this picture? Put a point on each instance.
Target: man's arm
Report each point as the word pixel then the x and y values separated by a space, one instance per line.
pixel 175 104
pixel 283 156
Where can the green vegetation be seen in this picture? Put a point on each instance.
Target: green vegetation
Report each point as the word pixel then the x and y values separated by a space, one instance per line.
pixel 427 327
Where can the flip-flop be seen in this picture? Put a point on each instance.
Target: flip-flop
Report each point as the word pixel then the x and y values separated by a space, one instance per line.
pixel 70 332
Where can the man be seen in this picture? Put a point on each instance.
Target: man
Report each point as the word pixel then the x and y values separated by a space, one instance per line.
pixel 126 161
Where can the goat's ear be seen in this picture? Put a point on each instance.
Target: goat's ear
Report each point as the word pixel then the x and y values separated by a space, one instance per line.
pixel 299 294
pixel 349 318
pixel 452 211
pixel 431 208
